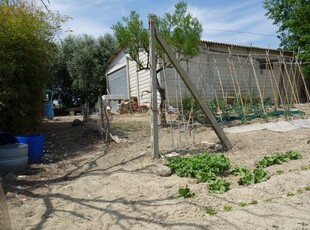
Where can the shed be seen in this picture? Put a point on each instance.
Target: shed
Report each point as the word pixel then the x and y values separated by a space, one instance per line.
pixel 219 71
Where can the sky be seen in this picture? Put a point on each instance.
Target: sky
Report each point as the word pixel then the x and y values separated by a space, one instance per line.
pixel 241 22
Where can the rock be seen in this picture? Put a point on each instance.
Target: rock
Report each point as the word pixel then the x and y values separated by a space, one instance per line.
pixel 173 154
pixel 208 144
pixel 115 138
pixel 204 143
pixel 163 170
pixel 76 122
pixel 218 147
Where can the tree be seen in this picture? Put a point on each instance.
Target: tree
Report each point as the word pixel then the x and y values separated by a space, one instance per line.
pixel 292 17
pixel 78 68
pixel 180 29
pixel 26 46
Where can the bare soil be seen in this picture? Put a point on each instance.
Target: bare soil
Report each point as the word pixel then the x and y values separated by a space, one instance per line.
pixel 84 183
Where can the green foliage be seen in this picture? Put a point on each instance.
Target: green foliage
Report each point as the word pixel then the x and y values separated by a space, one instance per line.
pixel 204 167
pixel 278 158
pixel 305 167
pixel 247 177
pixel 185 192
pixel 224 111
pixel 293 20
pixel 227 208
pixel 180 29
pixel 26 49
pixel 290 194
pixel 218 186
pixel 253 202
pixel 78 73
pixel 307 188
pixel 280 171
pixel 211 211
pixel 242 204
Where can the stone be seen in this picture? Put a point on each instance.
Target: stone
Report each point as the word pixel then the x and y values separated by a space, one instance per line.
pixel 163 170
pixel 173 154
pixel 76 122
pixel 218 147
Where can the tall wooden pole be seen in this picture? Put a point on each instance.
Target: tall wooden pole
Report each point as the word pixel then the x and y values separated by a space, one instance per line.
pixel 201 101
pixel 154 110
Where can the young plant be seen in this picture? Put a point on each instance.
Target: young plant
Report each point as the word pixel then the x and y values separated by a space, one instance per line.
pixel 278 158
pixel 218 186
pixel 227 208
pixel 211 211
pixel 290 194
pixel 280 171
pixel 247 177
pixel 254 202
pixel 185 192
pixel 268 199
pixel 242 204
pixel 204 167
pixel 307 188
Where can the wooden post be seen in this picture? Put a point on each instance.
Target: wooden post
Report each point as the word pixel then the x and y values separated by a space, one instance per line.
pixel 154 110
pixel 201 101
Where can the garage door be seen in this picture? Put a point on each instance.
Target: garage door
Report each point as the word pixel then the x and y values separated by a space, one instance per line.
pixel 118 84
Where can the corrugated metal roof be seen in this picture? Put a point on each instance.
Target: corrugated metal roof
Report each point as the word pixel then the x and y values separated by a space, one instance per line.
pixel 243 46
pixel 204 42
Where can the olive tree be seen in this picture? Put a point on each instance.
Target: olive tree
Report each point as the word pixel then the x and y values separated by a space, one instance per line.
pixel 181 31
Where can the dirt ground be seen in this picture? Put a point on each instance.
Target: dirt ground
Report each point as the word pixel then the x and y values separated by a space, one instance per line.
pixel 86 184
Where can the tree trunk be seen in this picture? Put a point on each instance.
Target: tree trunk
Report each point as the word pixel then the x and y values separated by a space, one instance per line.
pixel 162 93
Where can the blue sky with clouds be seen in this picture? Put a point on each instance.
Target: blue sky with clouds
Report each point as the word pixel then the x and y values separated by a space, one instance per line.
pixel 218 17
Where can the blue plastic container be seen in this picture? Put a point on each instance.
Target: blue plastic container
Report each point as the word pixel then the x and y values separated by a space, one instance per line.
pixel 48 110
pixel 36 146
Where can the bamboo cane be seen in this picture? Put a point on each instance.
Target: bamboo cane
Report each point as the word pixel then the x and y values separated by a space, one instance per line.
pixel 257 84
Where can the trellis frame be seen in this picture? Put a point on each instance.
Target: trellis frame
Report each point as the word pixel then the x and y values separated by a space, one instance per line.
pixel 154 35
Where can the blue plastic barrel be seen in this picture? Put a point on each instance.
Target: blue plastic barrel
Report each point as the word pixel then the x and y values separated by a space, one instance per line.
pixel 36 146
pixel 48 110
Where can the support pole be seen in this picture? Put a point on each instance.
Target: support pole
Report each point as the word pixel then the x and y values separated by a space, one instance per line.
pixel 154 110
pixel 201 101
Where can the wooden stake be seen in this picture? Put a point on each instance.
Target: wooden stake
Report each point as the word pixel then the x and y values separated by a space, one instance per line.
pixel 257 84
pixel 201 101
pixel 154 110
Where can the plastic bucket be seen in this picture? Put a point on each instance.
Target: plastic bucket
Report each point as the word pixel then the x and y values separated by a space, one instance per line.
pixel 36 146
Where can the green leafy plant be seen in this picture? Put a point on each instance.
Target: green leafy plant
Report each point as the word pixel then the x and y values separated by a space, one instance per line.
pixel 305 167
pixel 204 167
pixel 307 188
pixel 242 204
pixel 268 199
pixel 239 170
pixel 260 175
pixel 185 192
pixel 211 211
pixel 300 190
pixel 280 171
pixel 277 158
pixel 290 194
pixel 247 177
pixel 254 202
pixel 218 186
pixel 227 208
